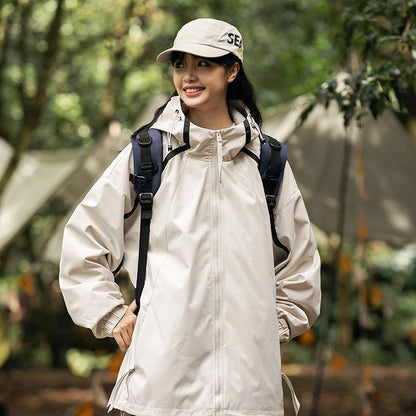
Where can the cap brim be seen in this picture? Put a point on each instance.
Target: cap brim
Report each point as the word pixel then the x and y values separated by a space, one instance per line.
pixel 198 50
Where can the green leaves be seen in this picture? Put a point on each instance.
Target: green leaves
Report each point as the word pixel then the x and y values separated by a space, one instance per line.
pixel 380 60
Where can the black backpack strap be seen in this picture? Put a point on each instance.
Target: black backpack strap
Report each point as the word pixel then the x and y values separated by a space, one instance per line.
pixel 272 162
pixel 156 156
pixel 147 158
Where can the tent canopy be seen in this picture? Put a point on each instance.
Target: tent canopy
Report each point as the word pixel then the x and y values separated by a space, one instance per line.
pixel 380 197
pixel 38 176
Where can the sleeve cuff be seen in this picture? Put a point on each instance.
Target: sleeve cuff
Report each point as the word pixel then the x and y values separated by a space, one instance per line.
pixel 284 331
pixel 109 321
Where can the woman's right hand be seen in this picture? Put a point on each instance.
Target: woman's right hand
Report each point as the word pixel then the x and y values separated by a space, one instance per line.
pixel 123 331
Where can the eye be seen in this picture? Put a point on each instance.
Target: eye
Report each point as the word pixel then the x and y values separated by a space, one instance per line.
pixel 178 64
pixel 203 63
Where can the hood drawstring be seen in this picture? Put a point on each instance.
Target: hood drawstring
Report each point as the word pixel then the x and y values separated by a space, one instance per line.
pixel 219 153
pixel 255 127
pixel 169 135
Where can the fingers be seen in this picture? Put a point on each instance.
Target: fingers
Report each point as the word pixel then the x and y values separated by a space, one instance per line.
pixel 123 331
pixel 132 307
pixel 123 335
pixel 120 342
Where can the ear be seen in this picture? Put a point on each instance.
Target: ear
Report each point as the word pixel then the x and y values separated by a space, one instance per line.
pixel 232 72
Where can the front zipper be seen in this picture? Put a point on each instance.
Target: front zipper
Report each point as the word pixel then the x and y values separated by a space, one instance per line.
pixel 216 235
pixel 219 154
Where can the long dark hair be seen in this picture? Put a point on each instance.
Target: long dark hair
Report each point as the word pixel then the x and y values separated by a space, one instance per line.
pixel 240 89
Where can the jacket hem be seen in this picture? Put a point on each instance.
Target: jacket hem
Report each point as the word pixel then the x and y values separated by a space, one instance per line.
pixel 138 410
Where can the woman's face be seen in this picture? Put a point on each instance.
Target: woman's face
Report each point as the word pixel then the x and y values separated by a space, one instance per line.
pixel 202 84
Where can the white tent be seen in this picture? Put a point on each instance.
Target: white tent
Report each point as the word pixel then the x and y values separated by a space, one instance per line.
pixel 37 177
pixel 381 176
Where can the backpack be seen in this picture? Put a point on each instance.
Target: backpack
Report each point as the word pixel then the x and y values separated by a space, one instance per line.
pixel 148 166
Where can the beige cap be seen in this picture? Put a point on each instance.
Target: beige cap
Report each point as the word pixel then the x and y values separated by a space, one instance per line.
pixel 209 38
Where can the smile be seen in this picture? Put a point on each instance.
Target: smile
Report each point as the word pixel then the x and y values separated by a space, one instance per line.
pixel 193 90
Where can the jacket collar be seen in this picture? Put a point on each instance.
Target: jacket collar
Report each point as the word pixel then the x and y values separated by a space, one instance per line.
pixel 202 141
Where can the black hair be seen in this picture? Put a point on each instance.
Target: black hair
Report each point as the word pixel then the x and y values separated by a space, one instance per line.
pixel 240 89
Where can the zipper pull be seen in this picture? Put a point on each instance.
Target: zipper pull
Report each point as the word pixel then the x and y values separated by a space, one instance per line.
pixel 219 138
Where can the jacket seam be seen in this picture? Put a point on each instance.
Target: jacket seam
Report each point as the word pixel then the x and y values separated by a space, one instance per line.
pixel 295 194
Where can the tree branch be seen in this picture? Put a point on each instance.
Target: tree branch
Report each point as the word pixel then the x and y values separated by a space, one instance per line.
pixel 117 74
pixel 22 50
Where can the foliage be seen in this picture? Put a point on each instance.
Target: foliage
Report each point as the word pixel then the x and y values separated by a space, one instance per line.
pixel 104 68
pixel 377 40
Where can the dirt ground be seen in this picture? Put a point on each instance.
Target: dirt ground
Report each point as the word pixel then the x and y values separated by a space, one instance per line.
pixel 388 392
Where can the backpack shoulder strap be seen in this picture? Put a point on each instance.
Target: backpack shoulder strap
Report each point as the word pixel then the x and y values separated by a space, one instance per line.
pixel 273 157
pixel 147 159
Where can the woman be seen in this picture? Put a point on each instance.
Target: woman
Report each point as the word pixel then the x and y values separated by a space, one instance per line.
pixel 219 296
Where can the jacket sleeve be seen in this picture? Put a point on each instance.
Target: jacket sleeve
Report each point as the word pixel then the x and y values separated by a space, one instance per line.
pixel 93 247
pixel 298 293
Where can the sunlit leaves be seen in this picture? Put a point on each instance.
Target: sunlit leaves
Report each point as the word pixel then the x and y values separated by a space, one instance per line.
pixel 40 17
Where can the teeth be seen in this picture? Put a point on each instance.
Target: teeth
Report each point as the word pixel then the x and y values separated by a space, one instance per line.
pixel 193 89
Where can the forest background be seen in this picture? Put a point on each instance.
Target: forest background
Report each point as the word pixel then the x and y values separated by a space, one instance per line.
pixel 70 68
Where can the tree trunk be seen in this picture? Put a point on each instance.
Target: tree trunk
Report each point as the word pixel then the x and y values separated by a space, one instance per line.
pixel 34 109
pixel 329 316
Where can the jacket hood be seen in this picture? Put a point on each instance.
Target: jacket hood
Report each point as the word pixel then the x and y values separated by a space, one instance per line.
pixel 244 132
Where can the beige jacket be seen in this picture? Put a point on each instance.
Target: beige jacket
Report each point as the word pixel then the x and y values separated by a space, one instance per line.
pixel 219 297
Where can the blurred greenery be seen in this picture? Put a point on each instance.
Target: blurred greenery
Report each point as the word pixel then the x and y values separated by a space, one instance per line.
pixel 68 68
pixel 380 292
pixel 105 65
pixel 82 363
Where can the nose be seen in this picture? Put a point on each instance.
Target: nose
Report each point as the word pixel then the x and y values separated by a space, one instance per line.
pixel 190 74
